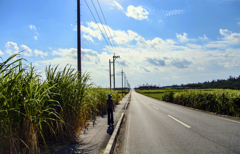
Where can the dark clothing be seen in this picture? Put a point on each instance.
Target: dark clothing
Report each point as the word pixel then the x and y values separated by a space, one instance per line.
pixel 110 104
pixel 110 108
pixel 110 116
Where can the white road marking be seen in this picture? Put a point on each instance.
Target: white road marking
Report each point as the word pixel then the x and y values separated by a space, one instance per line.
pixel 179 121
pixel 229 120
pixel 156 108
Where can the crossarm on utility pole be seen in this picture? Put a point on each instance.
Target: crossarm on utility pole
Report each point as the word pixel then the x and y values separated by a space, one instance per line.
pixel 114 58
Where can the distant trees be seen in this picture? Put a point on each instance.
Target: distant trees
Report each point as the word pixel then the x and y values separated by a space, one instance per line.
pixel 230 83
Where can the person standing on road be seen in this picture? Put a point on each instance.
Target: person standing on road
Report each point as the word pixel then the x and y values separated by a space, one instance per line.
pixel 110 108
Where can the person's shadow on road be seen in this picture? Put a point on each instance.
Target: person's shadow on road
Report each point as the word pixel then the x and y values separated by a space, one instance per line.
pixel 110 129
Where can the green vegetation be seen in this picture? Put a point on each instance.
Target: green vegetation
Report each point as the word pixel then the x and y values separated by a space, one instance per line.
pixel 32 111
pixel 230 83
pixel 220 101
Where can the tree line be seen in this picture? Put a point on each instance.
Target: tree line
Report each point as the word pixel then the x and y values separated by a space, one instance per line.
pixel 230 83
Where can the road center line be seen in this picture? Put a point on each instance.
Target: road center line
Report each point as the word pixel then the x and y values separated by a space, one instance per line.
pixel 156 108
pixel 179 121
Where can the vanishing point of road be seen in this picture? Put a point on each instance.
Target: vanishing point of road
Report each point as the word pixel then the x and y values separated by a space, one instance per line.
pixel 154 126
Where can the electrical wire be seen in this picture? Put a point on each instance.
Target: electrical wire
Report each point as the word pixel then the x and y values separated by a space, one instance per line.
pixel 107 25
pixel 97 23
pixel 102 25
pixel 112 45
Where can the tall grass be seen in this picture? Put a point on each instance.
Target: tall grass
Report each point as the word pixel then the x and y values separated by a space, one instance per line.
pixel 214 100
pixel 34 111
pixel 225 102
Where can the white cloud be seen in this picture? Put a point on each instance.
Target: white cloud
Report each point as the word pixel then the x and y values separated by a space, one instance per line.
pixel 202 68
pixel 117 4
pixel 38 52
pixel 230 58
pixel 141 41
pixel 224 32
pixel 217 44
pixel 72 52
pixel 1 53
pixel 32 27
pixel 194 46
pixel 121 37
pixel 90 56
pixel 229 37
pixel 182 38
pixel 160 21
pixel 11 48
pixel 137 13
pixel 74 27
pixel 231 64
pixel 173 12
pixel 238 23
pixel 87 54
pixel 156 43
pixel 88 37
pixel 92 30
pixel 152 57
pixel 28 51
pixel 181 63
pixel 204 37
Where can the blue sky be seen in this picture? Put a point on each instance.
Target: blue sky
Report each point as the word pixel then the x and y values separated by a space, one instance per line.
pixel 159 41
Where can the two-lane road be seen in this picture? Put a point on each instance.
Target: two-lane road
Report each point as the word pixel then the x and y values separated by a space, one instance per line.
pixel 154 126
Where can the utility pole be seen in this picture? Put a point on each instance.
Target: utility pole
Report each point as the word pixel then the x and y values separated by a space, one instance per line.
pixel 114 58
pixel 78 38
pixel 122 82
pixel 110 73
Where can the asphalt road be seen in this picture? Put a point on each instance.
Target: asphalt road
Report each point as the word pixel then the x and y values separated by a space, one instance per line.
pixel 154 126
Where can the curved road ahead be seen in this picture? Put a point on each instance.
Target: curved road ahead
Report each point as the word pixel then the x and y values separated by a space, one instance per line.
pixel 154 126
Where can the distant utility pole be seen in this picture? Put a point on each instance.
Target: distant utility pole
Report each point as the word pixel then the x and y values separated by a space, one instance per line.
pixel 122 82
pixel 78 38
pixel 110 75
pixel 125 81
pixel 114 58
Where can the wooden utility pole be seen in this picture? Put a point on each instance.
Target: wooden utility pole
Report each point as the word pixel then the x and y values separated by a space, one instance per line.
pixel 78 37
pixel 110 75
pixel 122 82
pixel 114 58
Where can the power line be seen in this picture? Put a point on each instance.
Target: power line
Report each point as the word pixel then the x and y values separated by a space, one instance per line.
pixel 107 25
pixel 102 24
pixel 97 23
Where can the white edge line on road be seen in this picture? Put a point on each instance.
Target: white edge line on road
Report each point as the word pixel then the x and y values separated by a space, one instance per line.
pixel 229 120
pixel 156 108
pixel 179 121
